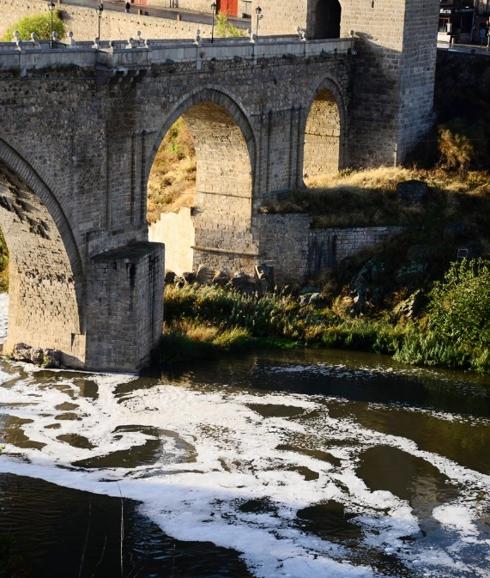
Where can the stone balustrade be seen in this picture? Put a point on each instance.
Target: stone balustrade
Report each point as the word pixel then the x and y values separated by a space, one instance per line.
pixel 135 53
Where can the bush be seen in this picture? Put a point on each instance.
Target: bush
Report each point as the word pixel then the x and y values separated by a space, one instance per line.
pixel 461 146
pixel 39 24
pixel 458 324
pixel 459 310
pixel 224 29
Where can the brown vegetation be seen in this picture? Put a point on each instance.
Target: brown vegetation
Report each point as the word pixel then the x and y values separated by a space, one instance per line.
pixel 172 182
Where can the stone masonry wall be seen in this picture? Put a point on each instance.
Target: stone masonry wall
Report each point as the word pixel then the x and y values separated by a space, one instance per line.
pixel 115 25
pixel 176 231
pixel 298 253
pixel 393 82
pixel 418 72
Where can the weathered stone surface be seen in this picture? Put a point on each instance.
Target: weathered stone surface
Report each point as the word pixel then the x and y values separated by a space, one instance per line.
pixel 412 191
pixel 48 358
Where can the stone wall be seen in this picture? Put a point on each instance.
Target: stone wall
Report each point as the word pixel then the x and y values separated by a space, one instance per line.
pixel 393 84
pixel 83 22
pixel 298 253
pixel 176 232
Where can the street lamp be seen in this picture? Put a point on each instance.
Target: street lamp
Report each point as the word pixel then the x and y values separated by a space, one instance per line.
pixel 51 7
pixel 259 16
pixel 100 10
pixel 213 9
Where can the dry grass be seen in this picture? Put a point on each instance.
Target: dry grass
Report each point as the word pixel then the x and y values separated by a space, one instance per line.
pixel 369 198
pixel 172 182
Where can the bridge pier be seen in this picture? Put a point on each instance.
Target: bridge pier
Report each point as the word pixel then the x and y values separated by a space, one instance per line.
pixel 125 318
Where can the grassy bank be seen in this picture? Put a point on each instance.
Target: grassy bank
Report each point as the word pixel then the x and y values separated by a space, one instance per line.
pixel 452 330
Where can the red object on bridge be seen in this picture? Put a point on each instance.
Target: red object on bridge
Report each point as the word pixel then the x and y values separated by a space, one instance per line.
pixel 228 7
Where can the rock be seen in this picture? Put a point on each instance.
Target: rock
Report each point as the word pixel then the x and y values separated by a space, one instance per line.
pixel 21 352
pixel 36 355
pixel 189 277
pixel 455 229
pixel 315 299
pixel 411 274
pixel 221 278
pixel 170 277
pixel 52 358
pixel 412 191
pixel 265 274
pixel 204 275
pixel 241 282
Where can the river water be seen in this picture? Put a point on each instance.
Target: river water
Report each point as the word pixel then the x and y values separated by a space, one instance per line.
pixel 298 464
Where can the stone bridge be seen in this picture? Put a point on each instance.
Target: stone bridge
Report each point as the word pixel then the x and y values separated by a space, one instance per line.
pixel 79 129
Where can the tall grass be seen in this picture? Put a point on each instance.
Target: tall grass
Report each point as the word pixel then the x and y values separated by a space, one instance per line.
pixel 202 321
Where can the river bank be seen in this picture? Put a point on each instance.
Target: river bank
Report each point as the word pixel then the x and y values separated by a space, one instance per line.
pixel 449 326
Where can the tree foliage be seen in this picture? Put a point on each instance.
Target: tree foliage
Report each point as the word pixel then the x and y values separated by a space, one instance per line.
pixel 224 29
pixel 459 311
pixel 39 24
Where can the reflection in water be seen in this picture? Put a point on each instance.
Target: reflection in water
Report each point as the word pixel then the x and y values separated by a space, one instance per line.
pixel 78 534
pixel 307 466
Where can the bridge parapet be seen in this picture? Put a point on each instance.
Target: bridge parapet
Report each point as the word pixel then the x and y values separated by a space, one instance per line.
pixel 28 55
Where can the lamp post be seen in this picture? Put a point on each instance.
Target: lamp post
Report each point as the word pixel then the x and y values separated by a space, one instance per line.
pixel 100 10
pixel 213 9
pixel 258 16
pixel 51 7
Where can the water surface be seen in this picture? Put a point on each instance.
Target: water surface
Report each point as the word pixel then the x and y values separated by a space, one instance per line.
pixel 305 464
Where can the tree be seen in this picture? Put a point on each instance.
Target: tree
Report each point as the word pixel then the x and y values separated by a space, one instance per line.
pixel 39 24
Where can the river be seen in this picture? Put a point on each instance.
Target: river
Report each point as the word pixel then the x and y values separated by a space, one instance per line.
pixel 298 464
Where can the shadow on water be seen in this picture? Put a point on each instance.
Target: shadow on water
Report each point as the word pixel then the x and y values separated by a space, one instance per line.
pixel 408 477
pixel 51 531
pixel 349 375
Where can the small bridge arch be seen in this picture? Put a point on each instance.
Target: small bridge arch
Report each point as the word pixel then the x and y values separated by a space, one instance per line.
pixel 325 132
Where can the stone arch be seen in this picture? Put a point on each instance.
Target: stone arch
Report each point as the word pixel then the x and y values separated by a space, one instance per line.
pixel 221 215
pixel 46 284
pixel 326 18
pixel 324 132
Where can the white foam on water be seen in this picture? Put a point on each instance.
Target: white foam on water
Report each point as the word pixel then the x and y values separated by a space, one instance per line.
pixel 195 495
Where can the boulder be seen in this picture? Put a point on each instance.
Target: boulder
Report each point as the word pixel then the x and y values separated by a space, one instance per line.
pixel 38 356
pixel 170 277
pixel 221 278
pixel 189 277
pixel 204 275
pixel 412 191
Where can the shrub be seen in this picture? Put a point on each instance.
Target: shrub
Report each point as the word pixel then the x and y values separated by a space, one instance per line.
pixel 459 310
pixel 39 24
pixel 224 29
pixel 458 325
pixel 461 146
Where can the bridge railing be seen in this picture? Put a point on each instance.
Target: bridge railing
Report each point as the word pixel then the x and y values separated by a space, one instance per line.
pixel 138 52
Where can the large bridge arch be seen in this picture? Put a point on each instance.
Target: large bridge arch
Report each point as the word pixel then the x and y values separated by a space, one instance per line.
pixel 46 278
pixel 325 132
pixel 216 230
